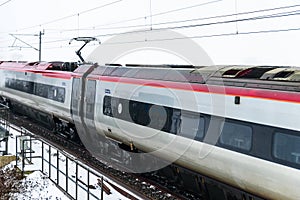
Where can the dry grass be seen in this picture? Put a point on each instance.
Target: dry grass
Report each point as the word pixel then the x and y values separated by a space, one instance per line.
pixel 5 160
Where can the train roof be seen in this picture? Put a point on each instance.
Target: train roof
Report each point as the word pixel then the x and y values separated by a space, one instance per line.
pixel 285 78
pixel 283 73
pixel 269 77
pixel 56 65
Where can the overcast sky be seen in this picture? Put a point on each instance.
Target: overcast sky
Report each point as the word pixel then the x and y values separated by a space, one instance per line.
pixel 199 20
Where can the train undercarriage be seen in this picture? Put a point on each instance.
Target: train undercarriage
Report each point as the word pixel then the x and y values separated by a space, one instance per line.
pixel 194 185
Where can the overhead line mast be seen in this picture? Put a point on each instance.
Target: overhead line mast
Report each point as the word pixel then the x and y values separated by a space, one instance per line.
pixel 29 45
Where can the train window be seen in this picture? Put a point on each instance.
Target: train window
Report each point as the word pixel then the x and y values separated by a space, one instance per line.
pixel 51 92
pixel 120 109
pixel 154 116
pixel 38 89
pixel 107 109
pixel 145 114
pixel 8 83
pixel 60 94
pixel 41 90
pixel 192 125
pixel 235 135
pixel 286 147
pixel 158 117
pixel 27 87
pixel 139 112
pixel 175 121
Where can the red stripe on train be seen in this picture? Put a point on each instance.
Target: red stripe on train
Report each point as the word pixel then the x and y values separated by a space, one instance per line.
pixel 214 89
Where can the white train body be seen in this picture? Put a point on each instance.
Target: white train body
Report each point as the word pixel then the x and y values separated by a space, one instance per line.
pixel 260 177
pixel 52 94
pixel 240 129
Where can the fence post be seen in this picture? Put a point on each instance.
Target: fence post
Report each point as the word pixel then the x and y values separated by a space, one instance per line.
pixel 23 158
pixel 88 185
pixel 67 174
pixel 57 166
pixel 16 151
pixel 76 188
pixel 43 156
pixel 102 188
pixel 30 148
pixel 49 161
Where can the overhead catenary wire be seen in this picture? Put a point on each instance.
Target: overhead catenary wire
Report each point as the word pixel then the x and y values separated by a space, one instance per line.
pixel 2 4
pixel 152 15
pixel 282 14
pixel 159 14
pixel 187 37
pixel 89 10
pixel 202 18
pixel 69 16
pixel 194 37
pixel 274 15
pixel 177 21
pixel 108 4
pixel 208 36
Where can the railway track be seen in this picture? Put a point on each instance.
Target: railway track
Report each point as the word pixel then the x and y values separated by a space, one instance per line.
pixel 144 186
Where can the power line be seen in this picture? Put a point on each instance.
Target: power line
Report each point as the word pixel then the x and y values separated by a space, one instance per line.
pixel 73 15
pixel 284 14
pixel 208 36
pixel 189 20
pixel 5 2
pixel 161 13
pixel 190 37
pixel 205 36
pixel 114 2
pixel 180 21
pixel 277 15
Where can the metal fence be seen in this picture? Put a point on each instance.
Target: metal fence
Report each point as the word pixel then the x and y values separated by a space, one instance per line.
pixel 67 173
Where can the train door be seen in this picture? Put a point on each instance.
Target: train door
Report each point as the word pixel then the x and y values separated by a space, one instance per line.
pixel 77 102
pixel 90 95
pixel 76 93
pixel 89 106
pixel 76 105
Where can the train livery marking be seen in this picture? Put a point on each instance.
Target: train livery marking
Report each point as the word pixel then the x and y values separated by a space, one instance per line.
pixel 213 89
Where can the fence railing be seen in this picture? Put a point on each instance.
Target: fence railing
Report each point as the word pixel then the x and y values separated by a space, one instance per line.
pixel 67 173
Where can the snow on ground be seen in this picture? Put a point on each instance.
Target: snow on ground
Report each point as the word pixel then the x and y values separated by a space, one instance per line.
pixel 37 185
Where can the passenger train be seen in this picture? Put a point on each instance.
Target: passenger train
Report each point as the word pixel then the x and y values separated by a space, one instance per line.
pixel 231 132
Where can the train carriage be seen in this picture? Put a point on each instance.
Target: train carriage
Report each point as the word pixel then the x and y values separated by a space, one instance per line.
pixel 232 130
